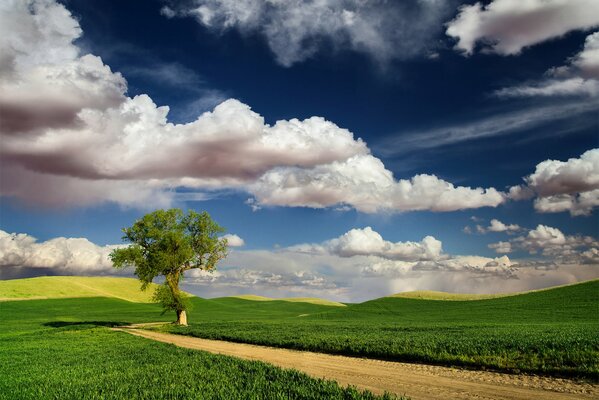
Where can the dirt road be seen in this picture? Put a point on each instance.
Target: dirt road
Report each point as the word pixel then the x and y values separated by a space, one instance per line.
pixel 414 380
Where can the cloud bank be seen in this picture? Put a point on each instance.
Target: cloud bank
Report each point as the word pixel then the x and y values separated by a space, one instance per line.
pixel 65 255
pixel 71 137
pixel 505 27
pixel 356 266
pixel 555 245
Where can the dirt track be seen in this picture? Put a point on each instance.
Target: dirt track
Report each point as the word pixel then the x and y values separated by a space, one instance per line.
pixel 414 380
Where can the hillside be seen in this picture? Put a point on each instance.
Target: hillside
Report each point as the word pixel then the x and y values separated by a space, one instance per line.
pixel 577 302
pixel 551 331
pixel 56 287
pixel 433 295
pixel 312 300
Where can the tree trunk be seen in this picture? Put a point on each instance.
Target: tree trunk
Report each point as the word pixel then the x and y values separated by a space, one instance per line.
pixel 181 317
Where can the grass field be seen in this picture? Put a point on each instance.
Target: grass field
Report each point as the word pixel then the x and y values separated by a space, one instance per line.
pixel 553 332
pixel 63 349
pixel 55 287
pixel 313 300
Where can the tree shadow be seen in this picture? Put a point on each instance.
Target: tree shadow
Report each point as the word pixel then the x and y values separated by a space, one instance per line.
pixel 81 324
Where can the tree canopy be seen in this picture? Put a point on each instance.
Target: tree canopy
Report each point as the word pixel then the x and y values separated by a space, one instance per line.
pixel 168 243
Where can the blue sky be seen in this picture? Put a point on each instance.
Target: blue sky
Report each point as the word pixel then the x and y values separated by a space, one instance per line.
pixel 428 113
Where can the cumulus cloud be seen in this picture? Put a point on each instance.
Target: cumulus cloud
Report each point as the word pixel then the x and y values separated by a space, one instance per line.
pixel 497 226
pixel 506 27
pixel 580 76
pixel 377 257
pixel 104 146
pixel 554 244
pixel 352 267
pixel 367 242
pixel 363 182
pixel 44 81
pixel 553 177
pixel 234 240
pixel 577 204
pixel 296 30
pixel 66 255
pixel 501 247
pixel 494 226
pixel 571 185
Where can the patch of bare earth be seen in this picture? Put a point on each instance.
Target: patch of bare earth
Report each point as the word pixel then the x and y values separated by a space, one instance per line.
pixel 417 381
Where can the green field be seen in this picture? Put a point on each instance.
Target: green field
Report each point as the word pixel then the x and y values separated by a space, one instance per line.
pixel 56 287
pixel 554 332
pixel 64 349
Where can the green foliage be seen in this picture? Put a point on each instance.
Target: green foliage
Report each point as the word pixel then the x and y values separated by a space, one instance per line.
pixel 550 332
pixel 63 349
pixel 164 296
pixel 168 243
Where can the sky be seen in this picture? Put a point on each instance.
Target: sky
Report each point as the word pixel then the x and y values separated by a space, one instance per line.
pixel 352 149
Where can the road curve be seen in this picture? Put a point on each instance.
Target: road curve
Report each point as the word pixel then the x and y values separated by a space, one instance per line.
pixel 416 381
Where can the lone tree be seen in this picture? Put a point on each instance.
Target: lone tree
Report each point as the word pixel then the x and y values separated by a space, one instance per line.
pixel 168 243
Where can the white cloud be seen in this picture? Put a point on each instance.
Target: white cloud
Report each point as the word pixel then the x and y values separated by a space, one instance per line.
pixel 571 185
pixel 234 240
pixel 363 182
pixel 296 30
pixel 68 127
pixel 501 247
pixel 312 270
pixel 587 61
pixel 521 120
pixel 498 226
pixel 367 242
pixel 553 87
pixel 581 204
pixel 552 243
pixel 494 226
pixel 477 265
pixel 506 27
pixel 520 192
pixel 543 237
pixel 576 175
pixel 43 80
pixel 579 77
pixel 67 255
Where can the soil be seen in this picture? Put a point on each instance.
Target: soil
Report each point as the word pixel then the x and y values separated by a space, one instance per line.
pixel 416 381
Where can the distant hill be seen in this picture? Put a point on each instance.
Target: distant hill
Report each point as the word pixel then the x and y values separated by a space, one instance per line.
pixel 312 300
pixel 54 287
pixel 434 295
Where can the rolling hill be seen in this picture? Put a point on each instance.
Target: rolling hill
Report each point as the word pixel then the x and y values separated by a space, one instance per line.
pixel 57 287
pixel 313 300
pixel 552 331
